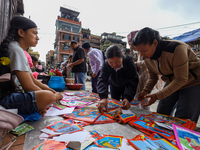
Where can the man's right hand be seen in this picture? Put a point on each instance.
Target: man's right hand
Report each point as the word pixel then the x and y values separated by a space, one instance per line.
pixel 101 105
pixel 70 65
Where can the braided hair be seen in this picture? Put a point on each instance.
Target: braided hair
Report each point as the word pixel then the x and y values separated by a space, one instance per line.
pixel 17 22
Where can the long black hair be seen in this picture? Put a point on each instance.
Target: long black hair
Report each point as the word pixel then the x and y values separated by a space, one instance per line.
pixel 146 36
pixel 16 23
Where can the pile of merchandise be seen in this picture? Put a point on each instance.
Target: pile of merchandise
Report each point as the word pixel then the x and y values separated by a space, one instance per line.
pixel 160 131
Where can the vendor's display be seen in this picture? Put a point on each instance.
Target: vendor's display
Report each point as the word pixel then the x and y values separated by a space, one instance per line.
pixel 159 126
pixel 159 131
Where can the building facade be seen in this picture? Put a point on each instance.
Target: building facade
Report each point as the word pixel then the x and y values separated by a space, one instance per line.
pixel 68 27
pixel 108 39
pixel 32 53
pixel 8 9
pixel 93 39
pixel 50 59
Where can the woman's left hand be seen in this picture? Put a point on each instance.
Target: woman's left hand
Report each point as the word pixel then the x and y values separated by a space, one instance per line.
pixel 125 104
pixel 152 100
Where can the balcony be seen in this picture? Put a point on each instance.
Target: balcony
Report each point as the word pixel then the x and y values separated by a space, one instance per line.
pixel 71 20
pixel 95 41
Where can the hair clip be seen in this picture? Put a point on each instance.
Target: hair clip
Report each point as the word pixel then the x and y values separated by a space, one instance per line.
pixel 5 61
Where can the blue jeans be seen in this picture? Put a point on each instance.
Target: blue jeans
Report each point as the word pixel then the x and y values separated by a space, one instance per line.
pixel 25 102
pixel 80 77
pixel 188 103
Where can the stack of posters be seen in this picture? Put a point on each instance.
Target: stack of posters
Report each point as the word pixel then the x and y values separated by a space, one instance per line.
pixel 159 126
pixel 186 139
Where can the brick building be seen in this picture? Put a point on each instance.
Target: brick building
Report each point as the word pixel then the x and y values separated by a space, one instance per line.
pixel 93 39
pixel 68 27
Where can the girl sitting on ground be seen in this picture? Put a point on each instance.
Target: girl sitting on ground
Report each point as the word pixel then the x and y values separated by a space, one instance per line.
pixel 36 97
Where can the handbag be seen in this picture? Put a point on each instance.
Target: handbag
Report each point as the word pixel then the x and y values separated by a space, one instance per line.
pixel 8 121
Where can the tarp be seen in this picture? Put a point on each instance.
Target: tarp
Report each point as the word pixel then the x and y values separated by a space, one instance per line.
pixel 189 36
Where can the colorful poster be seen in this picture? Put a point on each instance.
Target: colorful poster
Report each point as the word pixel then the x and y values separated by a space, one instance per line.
pixel 150 144
pixel 103 119
pixel 186 139
pixel 109 141
pixel 50 144
pixel 95 134
pixel 89 100
pixel 58 105
pixel 124 118
pixel 73 103
pixel 94 95
pixel 88 114
pixel 70 129
pixel 112 103
pixel 145 126
pixel 113 114
pixel 69 94
pixel 58 125
pixel 136 102
pixel 166 118
pixel 81 94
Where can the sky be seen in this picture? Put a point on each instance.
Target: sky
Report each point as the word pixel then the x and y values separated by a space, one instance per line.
pixel 120 16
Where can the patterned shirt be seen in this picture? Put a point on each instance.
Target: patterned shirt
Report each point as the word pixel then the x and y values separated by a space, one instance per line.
pixel 96 59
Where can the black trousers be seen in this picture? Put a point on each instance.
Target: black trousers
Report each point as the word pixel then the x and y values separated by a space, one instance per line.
pixel 94 83
pixel 117 93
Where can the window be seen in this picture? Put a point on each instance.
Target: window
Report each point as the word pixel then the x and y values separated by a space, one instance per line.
pixel 85 35
pixel 66 27
pixel 67 37
pixel 76 38
pixel 64 57
pixel 63 15
pixel 66 46
pixel 76 29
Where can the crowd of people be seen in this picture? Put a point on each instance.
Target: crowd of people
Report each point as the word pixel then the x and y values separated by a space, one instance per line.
pixel 173 61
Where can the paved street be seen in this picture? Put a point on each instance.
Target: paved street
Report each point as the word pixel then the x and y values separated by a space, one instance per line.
pixel 153 107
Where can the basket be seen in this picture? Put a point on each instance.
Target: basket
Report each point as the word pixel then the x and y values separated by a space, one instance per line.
pixel 69 80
